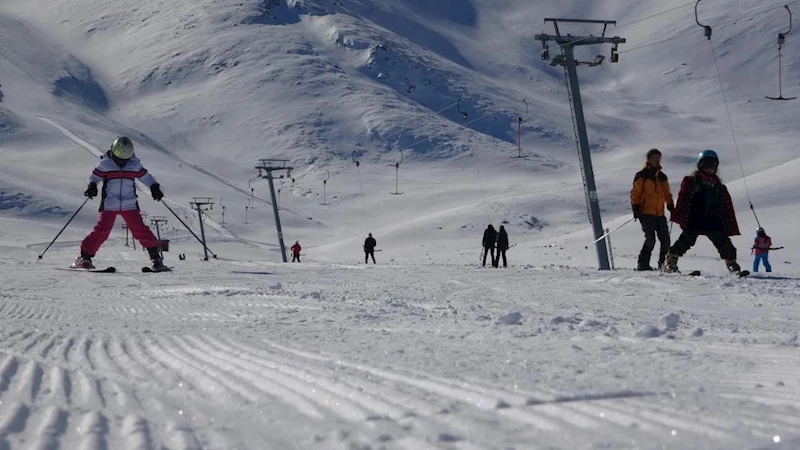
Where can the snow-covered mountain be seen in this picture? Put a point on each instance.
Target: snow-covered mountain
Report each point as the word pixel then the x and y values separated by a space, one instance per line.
pixel 398 118
pixel 206 89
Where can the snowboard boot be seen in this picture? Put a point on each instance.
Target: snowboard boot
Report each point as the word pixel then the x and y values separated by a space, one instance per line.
pixel 671 263
pixel 732 266
pixel 644 267
pixel 83 262
pixel 156 263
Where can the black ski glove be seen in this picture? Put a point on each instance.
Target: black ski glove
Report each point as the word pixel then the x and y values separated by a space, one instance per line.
pixel 637 212
pixel 155 191
pixel 670 208
pixel 91 191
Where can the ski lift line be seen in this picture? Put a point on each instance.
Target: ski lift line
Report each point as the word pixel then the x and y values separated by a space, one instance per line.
pixel 654 43
pixel 770 9
pixel 361 190
pixel 480 183
pixel 409 147
pixel 766 10
pixel 637 21
pixel 363 204
pixel 448 107
pixel 728 113
pixel 733 132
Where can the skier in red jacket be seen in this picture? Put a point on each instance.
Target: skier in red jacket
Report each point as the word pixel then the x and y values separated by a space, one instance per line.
pixel 704 208
pixel 761 247
pixel 296 251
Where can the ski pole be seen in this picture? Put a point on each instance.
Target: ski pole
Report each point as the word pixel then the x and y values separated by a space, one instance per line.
pixel 615 229
pixel 190 230
pixel 64 228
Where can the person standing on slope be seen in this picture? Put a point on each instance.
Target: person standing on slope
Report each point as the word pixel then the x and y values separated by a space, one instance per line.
pixel 704 208
pixel 489 239
pixel 649 194
pixel 296 251
pixel 118 171
pixel 761 247
pixel 369 249
pixel 502 246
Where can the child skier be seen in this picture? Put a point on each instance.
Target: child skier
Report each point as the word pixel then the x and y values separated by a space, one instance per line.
pixel 704 208
pixel 761 247
pixel 296 251
pixel 118 171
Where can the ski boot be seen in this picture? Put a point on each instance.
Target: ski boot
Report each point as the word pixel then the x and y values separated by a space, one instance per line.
pixel 732 266
pixel 83 262
pixel 671 263
pixel 156 262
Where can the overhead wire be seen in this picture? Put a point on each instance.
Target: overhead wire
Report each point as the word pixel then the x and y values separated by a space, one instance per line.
pixel 763 11
pixel 730 118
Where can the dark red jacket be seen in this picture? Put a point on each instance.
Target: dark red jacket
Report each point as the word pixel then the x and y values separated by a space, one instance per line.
pixel 296 249
pixel 704 205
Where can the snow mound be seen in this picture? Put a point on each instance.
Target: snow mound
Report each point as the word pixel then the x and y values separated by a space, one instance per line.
pixel 670 321
pixel 647 331
pixel 513 318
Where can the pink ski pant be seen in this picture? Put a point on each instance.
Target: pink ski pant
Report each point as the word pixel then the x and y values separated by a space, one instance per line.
pixel 105 223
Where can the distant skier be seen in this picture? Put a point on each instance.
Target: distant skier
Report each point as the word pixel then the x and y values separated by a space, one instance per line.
pixel 118 171
pixel 296 251
pixel 761 247
pixel 489 239
pixel 649 194
pixel 502 246
pixel 369 249
pixel 704 208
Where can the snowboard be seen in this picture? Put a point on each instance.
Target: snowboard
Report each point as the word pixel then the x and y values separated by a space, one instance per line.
pixel 78 269
pixel 147 269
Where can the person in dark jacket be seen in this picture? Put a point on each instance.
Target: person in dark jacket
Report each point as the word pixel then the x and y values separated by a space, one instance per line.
pixel 489 239
pixel 649 194
pixel 502 246
pixel 704 208
pixel 369 249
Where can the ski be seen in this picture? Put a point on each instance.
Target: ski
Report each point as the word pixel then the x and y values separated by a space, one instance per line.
pixel 146 269
pixel 697 273
pixel 79 269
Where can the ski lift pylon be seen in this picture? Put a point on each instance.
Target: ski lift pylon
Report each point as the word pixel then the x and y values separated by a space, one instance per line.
pixel 781 41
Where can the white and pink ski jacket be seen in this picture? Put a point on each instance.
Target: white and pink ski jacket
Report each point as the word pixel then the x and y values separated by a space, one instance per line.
pixel 118 190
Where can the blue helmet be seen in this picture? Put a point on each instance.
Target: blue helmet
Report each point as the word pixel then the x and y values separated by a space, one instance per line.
pixel 705 154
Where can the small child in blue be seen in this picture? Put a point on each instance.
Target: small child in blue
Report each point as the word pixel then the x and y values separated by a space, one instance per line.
pixel 761 247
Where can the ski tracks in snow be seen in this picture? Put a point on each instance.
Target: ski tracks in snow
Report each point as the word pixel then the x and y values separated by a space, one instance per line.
pixel 127 361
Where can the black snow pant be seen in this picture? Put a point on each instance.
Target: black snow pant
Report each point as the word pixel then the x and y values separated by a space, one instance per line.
pixel 722 242
pixel 295 257
pixel 653 226
pixel 487 251
pixel 367 254
pixel 496 262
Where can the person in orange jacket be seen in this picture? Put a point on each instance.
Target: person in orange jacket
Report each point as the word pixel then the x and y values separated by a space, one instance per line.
pixel 649 194
pixel 296 251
